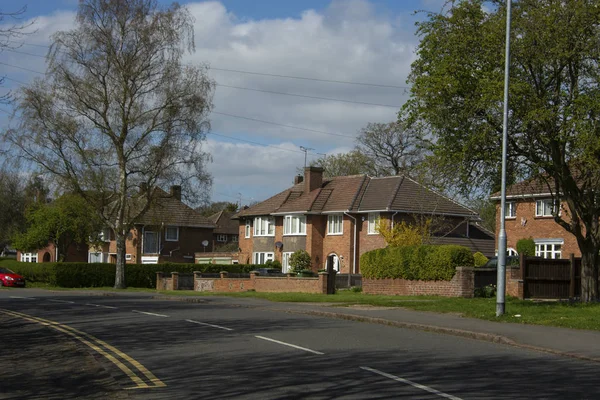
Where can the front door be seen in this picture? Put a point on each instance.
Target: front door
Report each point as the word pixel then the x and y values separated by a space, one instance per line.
pixel 333 263
pixel 150 242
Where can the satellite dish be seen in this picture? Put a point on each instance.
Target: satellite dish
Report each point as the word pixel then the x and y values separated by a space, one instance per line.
pixel 205 243
pixel 278 245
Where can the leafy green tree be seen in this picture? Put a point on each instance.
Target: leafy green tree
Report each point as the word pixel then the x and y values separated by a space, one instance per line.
pixel 300 260
pixel 66 221
pixel 118 113
pixel 344 164
pixel 554 125
pixel 215 207
pixel 479 259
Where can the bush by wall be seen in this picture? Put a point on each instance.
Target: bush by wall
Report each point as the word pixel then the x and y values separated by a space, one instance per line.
pixel 75 275
pixel 526 247
pixel 479 259
pixel 425 262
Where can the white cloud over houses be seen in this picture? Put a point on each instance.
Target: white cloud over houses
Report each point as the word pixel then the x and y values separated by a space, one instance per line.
pixel 348 41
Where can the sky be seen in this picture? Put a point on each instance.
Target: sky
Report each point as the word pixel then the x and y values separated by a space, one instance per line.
pixel 254 140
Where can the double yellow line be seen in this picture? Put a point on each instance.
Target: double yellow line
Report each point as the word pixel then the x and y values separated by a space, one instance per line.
pixel 111 353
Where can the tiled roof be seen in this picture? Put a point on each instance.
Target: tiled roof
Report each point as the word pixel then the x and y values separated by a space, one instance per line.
pixel 530 187
pixel 224 223
pixel 479 239
pixel 359 193
pixel 170 211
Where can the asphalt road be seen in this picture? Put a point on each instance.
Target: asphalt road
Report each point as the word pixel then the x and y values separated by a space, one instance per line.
pixel 133 346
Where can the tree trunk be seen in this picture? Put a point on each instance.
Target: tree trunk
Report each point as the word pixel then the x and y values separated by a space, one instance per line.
pixel 589 273
pixel 120 267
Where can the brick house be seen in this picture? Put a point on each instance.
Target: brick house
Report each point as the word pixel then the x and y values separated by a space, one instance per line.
pixel 170 231
pixel 529 207
pixel 334 219
pixel 226 230
pixel 76 252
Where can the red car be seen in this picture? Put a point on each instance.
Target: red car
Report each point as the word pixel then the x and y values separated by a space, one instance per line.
pixel 9 278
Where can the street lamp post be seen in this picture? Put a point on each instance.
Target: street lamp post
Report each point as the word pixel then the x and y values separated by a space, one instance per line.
pixel 501 289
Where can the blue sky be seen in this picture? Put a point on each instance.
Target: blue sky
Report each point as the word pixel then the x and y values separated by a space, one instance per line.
pixel 254 141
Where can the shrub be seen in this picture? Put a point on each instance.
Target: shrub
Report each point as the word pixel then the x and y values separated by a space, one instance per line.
pixel 75 275
pixel 486 291
pixel 479 259
pixel 426 262
pixel 526 247
pixel 300 260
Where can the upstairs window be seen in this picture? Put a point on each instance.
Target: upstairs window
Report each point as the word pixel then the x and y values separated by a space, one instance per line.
pixel 294 225
pixel 335 224
pixel 264 226
pixel 544 208
pixel 510 210
pixel 248 228
pixel 373 223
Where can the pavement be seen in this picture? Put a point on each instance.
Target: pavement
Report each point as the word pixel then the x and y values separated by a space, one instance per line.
pixel 573 343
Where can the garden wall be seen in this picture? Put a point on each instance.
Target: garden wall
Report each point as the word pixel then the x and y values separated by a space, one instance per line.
pixel 461 285
pixel 225 283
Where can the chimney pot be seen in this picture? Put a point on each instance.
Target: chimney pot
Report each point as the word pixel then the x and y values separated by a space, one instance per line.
pixel 176 192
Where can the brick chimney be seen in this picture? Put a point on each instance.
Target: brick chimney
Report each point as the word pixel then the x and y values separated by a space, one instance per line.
pixel 313 178
pixel 298 179
pixel 176 192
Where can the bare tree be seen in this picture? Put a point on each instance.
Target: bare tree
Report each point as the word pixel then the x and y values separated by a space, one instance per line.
pixel 393 147
pixel 118 113
pixel 11 28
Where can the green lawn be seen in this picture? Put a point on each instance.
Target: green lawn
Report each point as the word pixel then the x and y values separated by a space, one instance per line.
pixel 562 314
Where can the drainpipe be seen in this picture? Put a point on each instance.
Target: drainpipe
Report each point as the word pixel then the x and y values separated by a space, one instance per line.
pixel 354 256
pixel 393 215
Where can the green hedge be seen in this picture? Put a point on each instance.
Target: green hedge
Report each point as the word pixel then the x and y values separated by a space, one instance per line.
pixel 75 275
pixel 425 262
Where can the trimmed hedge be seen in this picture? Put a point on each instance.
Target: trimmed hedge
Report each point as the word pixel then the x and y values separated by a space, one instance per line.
pixel 480 259
pixel 79 275
pixel 425 262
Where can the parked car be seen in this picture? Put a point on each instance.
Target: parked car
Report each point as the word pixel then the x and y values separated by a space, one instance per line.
pixel 493 261
pixel 9 278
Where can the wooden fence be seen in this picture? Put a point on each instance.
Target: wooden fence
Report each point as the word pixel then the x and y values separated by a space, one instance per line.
pixel 551 278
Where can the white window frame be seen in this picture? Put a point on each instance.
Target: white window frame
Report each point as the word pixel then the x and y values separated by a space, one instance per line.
pixel 510 210
pixel 544 208
pixel 298 220
pixel 103 257
pixel 248 228
pixel 372 225
pixel 511 252
pixel 221 238
pixel 264 226
pixel 547 248
pixel 259 256
pixel 234 238
pixel 127 257
pixel 176 234
pixel 335 224
pixel 104 235
pixel 285 261
pixel 29 257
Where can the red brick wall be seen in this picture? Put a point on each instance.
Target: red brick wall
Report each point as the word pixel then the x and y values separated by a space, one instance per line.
pixel 535 227
pixel 316 226
pixel 75 253
pixel 258 283
pixel 461 285
pixel 342 245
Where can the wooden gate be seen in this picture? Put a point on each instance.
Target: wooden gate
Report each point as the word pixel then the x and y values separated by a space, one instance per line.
pixel 551 278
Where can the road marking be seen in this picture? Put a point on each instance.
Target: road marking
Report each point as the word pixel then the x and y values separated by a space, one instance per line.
pixel 21 297
pixel 149 313
pixel 414 384
pixel 99 305
pixel 289 344
pixel 61 301
pixel 102 348
pixel 204 323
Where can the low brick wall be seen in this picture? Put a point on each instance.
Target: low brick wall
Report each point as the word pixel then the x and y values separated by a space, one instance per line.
pixel 514 282
pixel 461 285
pixel 288 284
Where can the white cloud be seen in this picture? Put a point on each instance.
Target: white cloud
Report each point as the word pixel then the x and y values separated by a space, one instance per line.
pixel 349 41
